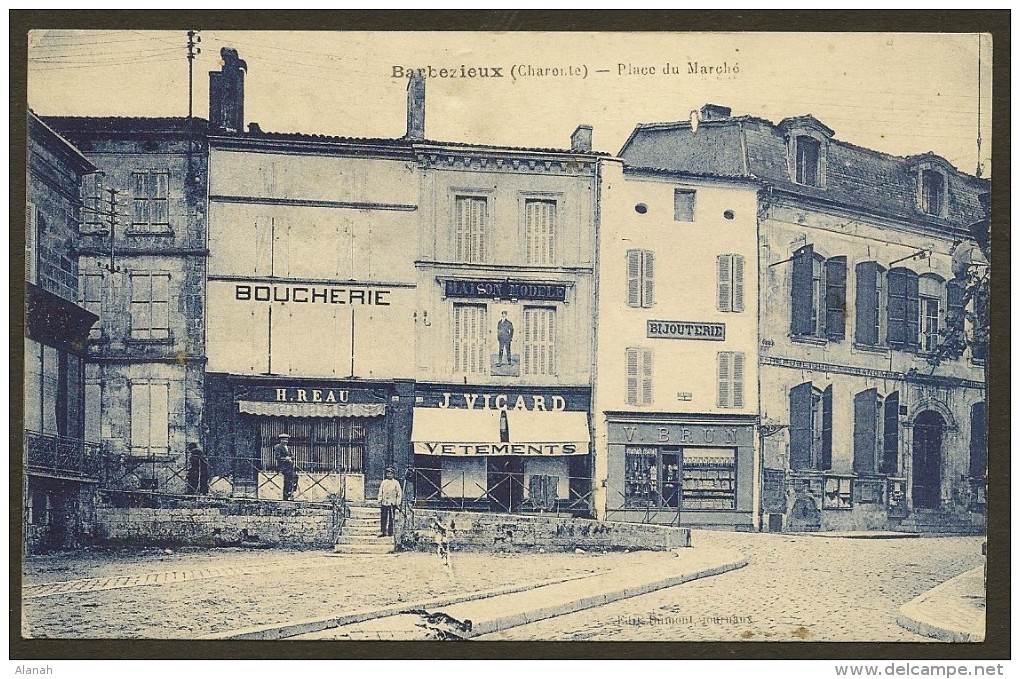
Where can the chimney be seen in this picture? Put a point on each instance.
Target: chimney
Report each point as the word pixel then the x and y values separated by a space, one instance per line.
pixel 415 107
pixel 580 140
pixel 715 112
pixel 226 93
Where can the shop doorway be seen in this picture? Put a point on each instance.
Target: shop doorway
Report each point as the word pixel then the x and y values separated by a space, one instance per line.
pixel 505 482
pixel 927 460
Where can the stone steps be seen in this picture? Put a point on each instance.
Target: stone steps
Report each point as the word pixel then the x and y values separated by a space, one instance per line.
pixel 361 532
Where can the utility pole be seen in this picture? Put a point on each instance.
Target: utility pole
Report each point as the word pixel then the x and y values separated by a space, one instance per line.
pixel 193 39
pixel 112 216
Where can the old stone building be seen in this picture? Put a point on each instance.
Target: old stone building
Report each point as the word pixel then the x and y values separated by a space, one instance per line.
pixel 860 430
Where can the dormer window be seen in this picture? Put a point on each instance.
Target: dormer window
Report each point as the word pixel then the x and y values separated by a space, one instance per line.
pixel 933 192
pixel 808 160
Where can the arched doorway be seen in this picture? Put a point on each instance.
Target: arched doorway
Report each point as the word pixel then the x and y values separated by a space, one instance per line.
pixel 927 460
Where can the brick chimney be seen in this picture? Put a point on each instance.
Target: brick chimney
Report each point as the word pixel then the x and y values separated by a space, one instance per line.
pixel 226 93
pixel 416 107
pixel 580 140
pixel 715 112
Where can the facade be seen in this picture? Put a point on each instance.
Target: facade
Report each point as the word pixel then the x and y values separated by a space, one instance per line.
pixel 141 270
pixel 62 468
pixel 675 390
pixel 859 429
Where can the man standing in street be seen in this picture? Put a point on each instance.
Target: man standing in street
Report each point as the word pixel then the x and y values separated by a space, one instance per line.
pixel 285 465
pixel 390 497
pixel 505 335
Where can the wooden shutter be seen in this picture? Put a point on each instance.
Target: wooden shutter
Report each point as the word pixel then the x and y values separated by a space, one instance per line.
pixel 647 278
pixel 738 283
pixel 140 425
pixel 955 307
pixel 978 440
pixel 632 376
pixel 725 268
pixel 141 199
pixel 865 307
pixel 801 292
pixel 738 379
pixel 913 304
pixel 160 198
pixel 800 426
pixel 646 377
pixel 634 278
pixel 725 397
pixel 898 293
pixel 835 298
pixel 825 460
pixel 891 434
pixel 865 434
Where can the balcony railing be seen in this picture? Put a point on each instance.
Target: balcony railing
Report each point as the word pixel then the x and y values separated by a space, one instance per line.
pixel 62 456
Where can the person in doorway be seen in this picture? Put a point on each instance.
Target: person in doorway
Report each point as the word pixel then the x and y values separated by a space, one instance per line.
pixel 390 497
pixel 505 335
pixel 198 471
pixel 285 465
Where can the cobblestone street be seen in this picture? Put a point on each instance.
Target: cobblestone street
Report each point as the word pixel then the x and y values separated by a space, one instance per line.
pixel 796 588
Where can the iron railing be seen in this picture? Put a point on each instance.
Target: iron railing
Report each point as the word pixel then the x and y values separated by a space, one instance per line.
pixel 62 456
pixel 503 492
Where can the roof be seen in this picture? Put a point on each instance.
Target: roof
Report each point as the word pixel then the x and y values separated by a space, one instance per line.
pixel 855 177
pixel 39 130
pixel 125 125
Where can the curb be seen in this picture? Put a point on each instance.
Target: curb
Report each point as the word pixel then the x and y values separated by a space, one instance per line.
pixel 913 617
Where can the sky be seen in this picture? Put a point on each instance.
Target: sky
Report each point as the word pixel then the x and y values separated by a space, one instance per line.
pixel 900 93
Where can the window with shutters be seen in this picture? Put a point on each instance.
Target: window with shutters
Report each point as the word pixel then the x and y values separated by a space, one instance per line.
pixel 471 217
pixel 539 341
pixel 640 278
pixel 932 198
pixel 903 309
pixel 818 296
pixel 151 201
pixel 90 293
pixel 891 434
pixel 929 290
pixel 150 305
pixel 31 243
pixel 870 305
pixel 683 205
pixel 868 421
pixel 540 231
pixel 810 427
pixel 808 160
pixel 730 270
pixel 470 325
pixel 150 417
pixel 730 367
pixel 639 376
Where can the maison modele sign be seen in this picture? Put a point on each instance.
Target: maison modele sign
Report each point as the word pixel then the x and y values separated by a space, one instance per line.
pixel 687 330
pixel 505 289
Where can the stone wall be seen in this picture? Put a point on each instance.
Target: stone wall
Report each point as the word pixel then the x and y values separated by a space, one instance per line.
pixel 510 532
pixel 218 524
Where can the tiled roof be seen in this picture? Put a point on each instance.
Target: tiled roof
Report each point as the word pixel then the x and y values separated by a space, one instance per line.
pixel 122 125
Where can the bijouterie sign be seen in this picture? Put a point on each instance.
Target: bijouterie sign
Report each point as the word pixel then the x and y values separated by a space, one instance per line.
pixel 686 330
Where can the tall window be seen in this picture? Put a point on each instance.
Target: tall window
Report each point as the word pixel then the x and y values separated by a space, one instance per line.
pixel 868 419
pixel 31 243
pixel 92 203
pixel 870 305
pixel 808 161
pixel 929 290
pixel 469 338
pixel 730 269
pixel 151 200
pixel 90 290
pixel 540 231
pixel 933 191
pixel 810 427
pixel 471 216
pixel 904 309
pixel 891 434
pixel 150 417
pixel 639 376
pixel 683 205
pixel 818 295
pixel 640 278
pixel 730 365
pixel 150 305
pixel 539 341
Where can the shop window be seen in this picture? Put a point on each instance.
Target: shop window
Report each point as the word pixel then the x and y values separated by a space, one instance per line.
pixel 891 434
pixel 683 205
pixel 90 291
pixel 316 444
pixel 470 223
pixel 641 476
pixel 903 309
pixel 870 304
pixel 151 200
pixel 150 417
pixel 818 295
pixel 470 325
pixel 930 290
pixel 808 160
pixel 868 419
pixel 810 427
pixel 539 341
pixel 838 493
pixel 640 278
pixel 978 441
pixel 709 478
pixel 31 243
pixel 730 270
pixel 540 231
pixel 150 305
pixel 730 366
pixel 932 196
pixel 639 376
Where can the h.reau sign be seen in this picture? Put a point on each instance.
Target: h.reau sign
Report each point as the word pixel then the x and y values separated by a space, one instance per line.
pixel 687 330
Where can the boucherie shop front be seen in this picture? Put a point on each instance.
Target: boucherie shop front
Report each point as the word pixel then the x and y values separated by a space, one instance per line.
pixel 500 450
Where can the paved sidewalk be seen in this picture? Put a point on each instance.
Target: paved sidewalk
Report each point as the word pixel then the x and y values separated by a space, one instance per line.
pixel 953 611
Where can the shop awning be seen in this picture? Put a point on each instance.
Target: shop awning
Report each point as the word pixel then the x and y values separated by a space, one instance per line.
pixel 459 432
pixel 273 409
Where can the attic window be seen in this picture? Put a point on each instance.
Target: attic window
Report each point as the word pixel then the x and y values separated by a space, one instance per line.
pixel 933 192
pixel 808 160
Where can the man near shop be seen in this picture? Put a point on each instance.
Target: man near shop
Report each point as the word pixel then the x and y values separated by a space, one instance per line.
pixel 285 465
pixel 505 335
pixel 390 497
